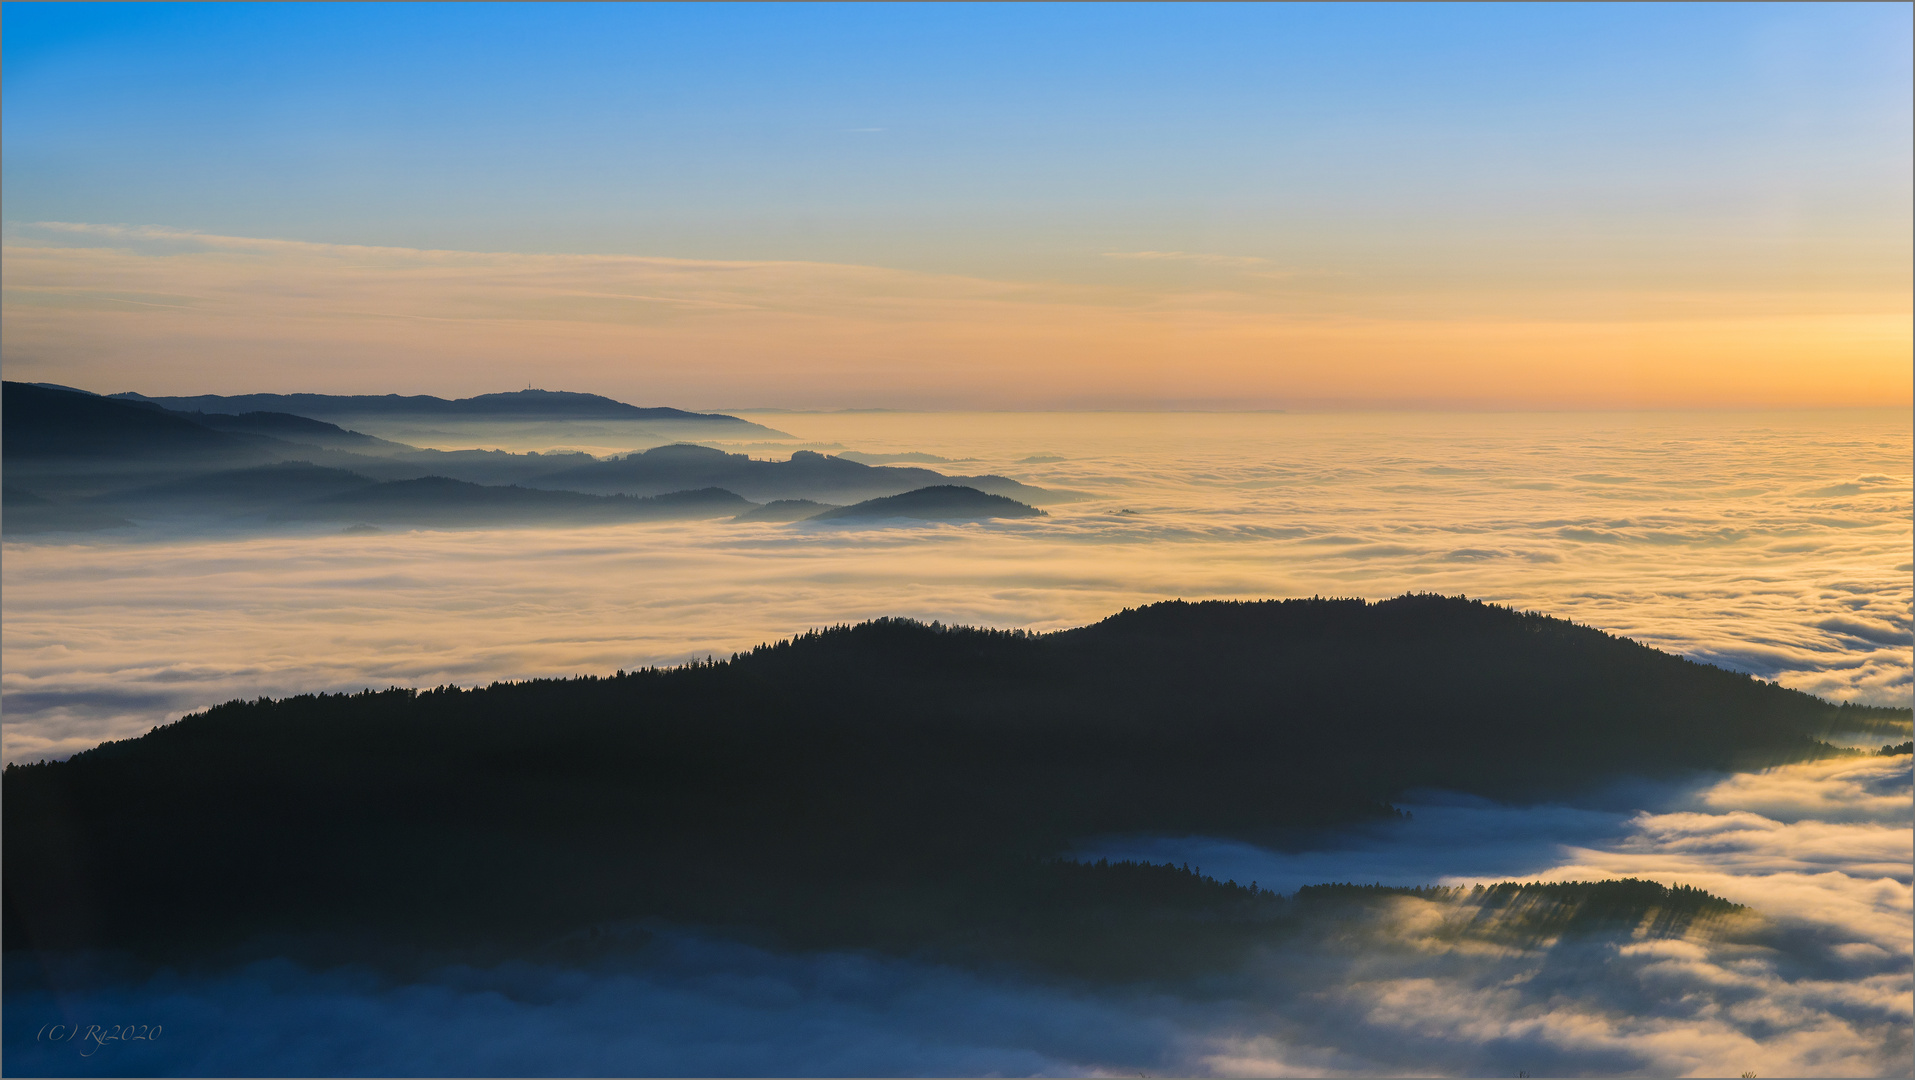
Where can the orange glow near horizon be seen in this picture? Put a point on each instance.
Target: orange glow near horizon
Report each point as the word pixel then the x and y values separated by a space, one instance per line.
pixel 112 309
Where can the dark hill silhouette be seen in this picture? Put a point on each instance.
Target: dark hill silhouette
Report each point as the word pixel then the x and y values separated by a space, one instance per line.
pixel 785 510
pixel 807 475
pixel 74 430
pixel 944 502
pixel 889 784
pixel 438 500
pixel 94 454
pixel 43 425
pixel 68 446
pixel 518 405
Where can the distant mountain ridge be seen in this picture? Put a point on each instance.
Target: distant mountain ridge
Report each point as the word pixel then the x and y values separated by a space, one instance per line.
pixel 75 460
pixel 516 405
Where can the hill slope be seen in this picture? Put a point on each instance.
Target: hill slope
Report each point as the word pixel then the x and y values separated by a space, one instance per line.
pixel 865 784
pixel 40 424
pixel 298 429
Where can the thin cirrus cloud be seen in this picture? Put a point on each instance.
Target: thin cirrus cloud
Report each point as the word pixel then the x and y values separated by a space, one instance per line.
pixel 169 310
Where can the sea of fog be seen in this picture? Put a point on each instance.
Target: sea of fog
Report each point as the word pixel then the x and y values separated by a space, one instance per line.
pixel 1777 544
pixel 1822 988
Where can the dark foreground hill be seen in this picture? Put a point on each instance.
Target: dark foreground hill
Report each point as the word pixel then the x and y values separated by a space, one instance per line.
pixel 888 784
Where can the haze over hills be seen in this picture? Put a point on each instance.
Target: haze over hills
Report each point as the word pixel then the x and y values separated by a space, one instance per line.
pixel 440 501
pixel 26 513
pixel 786 510
pixel 892 784
pixel 807 475
pixel 299 429
pixel 131 457
pixel 256 489
pixel 296 491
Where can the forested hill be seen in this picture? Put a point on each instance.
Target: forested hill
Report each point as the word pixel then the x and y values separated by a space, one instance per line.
pixel 820 781
pixel 942 502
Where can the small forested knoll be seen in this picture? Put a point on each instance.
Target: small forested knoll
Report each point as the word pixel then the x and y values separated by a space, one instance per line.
pixel 886 783
pixel 1529 913
pixel 941 502
pixel 785 510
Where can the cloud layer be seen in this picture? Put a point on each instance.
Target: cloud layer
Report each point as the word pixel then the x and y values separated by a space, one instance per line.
pixel 1824 987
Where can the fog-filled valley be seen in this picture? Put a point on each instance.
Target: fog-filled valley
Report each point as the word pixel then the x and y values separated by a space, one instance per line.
pixel 930 806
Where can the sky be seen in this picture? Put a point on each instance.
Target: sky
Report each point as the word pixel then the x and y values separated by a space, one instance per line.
pixel 1002 207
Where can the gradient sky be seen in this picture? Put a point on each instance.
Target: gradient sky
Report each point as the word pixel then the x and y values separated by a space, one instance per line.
pixel 965 206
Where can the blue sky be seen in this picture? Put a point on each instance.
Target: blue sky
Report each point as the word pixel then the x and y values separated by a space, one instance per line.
pixel 1002 204
pixel 945 137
